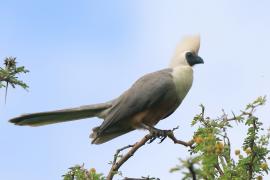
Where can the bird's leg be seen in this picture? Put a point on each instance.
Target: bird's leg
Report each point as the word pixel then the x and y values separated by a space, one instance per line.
pixel 156 133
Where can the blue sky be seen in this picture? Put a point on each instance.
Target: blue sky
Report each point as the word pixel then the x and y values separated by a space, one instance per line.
pixel 83 52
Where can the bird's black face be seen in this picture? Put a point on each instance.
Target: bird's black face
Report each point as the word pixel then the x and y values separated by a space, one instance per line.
pixel 193 59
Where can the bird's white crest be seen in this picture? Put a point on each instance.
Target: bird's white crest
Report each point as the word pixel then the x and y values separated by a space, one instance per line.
pixel 188 44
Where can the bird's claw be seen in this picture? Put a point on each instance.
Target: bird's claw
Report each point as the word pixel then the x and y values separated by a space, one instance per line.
pixel 158 133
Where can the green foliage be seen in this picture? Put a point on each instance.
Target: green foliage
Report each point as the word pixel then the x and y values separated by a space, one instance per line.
pixel 191 165
pixel 9 74
pixel 80 173
pixel 212 158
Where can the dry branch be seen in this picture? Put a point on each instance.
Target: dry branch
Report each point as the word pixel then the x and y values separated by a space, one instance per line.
pixel 116 164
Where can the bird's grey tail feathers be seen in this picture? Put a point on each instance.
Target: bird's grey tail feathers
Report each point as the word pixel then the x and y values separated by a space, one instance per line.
pixel 51 117
pixel 98 138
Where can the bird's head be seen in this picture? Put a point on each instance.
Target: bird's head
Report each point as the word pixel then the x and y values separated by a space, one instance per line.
pixel 186 53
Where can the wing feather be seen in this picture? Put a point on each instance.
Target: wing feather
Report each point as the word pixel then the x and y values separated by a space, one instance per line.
pixel 146 92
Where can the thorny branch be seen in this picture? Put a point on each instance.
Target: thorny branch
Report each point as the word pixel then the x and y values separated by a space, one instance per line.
pixel 117 164
pixel 192 171
pixel 219 170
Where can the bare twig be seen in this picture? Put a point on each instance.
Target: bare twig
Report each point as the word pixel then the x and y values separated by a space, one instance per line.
pixel 191 170
pixel 219 170
pixel 142 178
pixel 116 155
pixel 130 153
pixel 177 141
pixel 133 148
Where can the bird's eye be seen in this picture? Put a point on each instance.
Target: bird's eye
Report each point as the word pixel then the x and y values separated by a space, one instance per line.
pixel 189 55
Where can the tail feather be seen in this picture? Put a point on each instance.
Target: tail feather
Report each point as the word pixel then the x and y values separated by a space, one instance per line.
pixel 51 117
pixel 98 138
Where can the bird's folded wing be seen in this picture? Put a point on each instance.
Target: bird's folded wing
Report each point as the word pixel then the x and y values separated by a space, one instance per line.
pixel 146 92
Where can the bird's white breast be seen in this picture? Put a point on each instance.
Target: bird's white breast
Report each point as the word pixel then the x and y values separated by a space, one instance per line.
pixel 183 78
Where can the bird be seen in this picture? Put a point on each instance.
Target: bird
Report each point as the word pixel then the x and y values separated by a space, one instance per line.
pixel 152 98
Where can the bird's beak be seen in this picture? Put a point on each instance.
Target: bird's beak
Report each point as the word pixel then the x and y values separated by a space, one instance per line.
pixel 198 60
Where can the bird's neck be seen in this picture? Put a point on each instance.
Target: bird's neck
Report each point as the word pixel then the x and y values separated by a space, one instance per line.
pixel 183 78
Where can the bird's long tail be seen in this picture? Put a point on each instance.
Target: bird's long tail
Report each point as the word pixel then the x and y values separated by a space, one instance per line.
pixel 58 116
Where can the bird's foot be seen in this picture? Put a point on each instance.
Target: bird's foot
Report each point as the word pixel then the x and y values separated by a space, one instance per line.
pixel 158 133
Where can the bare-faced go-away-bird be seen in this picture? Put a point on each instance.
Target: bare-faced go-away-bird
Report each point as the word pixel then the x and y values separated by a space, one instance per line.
pixel 151 98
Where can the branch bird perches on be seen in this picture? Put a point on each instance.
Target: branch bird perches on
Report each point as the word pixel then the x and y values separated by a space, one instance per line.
pixel 116 164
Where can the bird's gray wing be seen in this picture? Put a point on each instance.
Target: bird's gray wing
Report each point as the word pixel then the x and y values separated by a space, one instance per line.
pixel 148 91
